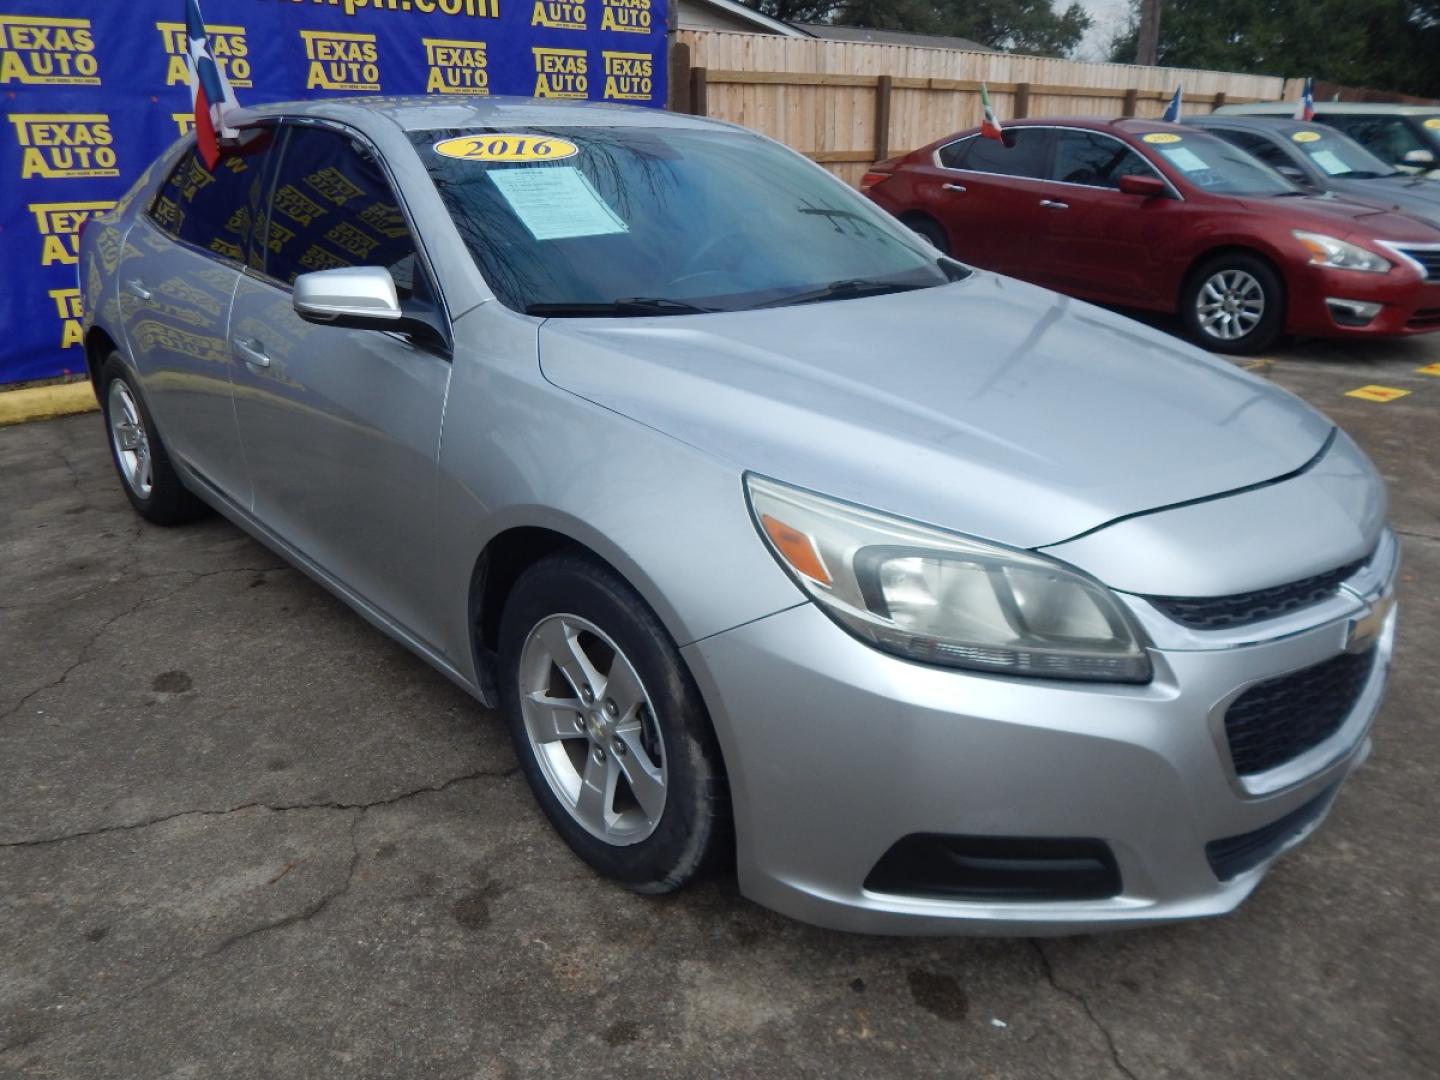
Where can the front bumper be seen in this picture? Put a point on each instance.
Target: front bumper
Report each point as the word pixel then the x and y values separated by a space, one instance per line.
pixel 1408 303
pixel 836 751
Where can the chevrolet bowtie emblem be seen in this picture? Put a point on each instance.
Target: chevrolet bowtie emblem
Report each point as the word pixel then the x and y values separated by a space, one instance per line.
pixel 1365 629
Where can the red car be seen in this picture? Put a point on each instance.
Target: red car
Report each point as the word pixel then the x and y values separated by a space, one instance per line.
pixel 1144 214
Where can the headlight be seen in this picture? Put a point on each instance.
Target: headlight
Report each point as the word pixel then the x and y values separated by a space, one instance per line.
pixel 1327 251
pixel 940 598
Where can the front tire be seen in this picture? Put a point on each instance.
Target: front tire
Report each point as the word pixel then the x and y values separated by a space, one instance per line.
pixel 609 727
pixel 1234 303
pixel 146 473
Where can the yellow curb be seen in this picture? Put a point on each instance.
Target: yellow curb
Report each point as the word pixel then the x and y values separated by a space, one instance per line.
pixel 44 402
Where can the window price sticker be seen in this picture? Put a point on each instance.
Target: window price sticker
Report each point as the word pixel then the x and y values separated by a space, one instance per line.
pixel 557 204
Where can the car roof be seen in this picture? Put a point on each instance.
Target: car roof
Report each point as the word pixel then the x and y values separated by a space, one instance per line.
pixel 426 113
pixel 1129 125
pixel 1277 107
pixel 1264 125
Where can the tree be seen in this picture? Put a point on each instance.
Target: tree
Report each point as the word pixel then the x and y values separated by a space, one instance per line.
pixel 1386 44
pixel 796 10
pixel 1026 26
pixel 1023 26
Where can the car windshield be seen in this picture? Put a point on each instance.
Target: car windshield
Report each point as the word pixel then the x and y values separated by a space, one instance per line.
pixel 1335 155
pixel 578 221
pixel 1215 165
pixel 1430 125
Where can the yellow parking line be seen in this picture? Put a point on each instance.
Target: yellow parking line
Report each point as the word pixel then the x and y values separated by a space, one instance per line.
pixel 1381 394
pixel 1428 369
pixel 43 402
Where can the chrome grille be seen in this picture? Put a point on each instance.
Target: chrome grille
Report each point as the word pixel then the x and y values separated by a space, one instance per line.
pixel 1429 258
pixel 1241 609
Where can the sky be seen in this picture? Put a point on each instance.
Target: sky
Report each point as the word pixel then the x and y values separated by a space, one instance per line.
pixel 1108 16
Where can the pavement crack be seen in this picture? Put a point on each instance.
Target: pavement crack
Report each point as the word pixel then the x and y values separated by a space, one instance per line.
pixel 130 826
pixel 310 911
pixel 1049 972
pixel 1417 535
pixel 307 913
pixel 83 655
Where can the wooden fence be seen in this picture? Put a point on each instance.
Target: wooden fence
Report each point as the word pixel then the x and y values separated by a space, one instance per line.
pixel 848 104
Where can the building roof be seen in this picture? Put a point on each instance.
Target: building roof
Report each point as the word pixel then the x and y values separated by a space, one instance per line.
pixel 890 37
pixel 740 13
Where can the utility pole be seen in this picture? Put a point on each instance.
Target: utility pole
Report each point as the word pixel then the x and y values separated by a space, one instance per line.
pixel 1149 32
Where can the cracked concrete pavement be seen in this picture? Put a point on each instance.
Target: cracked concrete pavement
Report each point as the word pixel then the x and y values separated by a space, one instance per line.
pixel 243 834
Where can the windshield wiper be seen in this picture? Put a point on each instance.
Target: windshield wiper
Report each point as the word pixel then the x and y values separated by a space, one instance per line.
pixel 626 305
pixel 842 290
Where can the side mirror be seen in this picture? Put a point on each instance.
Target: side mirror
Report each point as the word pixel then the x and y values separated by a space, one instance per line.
pixel 361 298
pixel 1423 158
pixel 1147 187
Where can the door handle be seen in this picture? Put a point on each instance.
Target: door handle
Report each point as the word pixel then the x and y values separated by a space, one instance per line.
pixel 136 287
pixel 956 187
pixel 251 352
pixel 1051 204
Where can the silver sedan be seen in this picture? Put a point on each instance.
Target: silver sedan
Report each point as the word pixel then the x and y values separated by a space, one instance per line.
pixel 927 600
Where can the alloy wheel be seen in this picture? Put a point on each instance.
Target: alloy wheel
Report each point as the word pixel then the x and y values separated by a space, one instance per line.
pixel 1230 304
pixel 592 729
pixel 127 435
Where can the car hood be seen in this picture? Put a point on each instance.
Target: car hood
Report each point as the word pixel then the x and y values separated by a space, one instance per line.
pixel 1408 194
pixel 989 406
pixel 1343 217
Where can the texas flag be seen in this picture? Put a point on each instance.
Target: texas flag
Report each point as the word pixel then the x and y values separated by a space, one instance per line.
pixel 209 89
pixel 1305 107
pixel 1172 111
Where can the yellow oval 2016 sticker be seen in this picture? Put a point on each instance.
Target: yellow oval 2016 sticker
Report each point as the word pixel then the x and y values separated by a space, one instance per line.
pixel 506 147
pixel 1161 137
pixel 1433 122
pixel 1306 136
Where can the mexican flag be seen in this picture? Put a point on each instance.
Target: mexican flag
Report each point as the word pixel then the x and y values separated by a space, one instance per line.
pixel 990 126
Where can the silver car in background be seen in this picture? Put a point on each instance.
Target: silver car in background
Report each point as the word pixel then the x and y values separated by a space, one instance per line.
pixel 930 601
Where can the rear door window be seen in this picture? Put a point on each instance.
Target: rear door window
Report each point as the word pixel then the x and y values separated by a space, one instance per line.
pixel 1024 153
pixel 215 211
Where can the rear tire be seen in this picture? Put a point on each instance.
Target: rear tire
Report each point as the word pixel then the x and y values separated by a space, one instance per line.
pixel 1234 303
pixel 931 230
pixel 146 473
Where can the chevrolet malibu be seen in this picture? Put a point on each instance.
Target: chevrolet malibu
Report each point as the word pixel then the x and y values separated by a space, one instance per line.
pixel 932 601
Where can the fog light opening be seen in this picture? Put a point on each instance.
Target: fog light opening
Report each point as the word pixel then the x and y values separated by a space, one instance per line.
pixel 1352 312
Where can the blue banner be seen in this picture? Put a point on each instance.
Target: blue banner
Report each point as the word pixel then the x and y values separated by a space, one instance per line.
pixel 92 90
